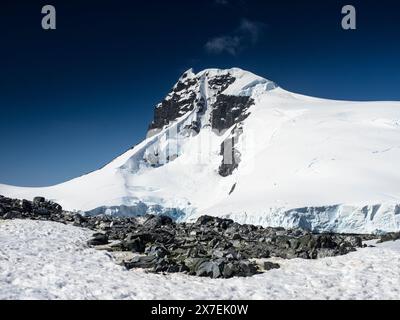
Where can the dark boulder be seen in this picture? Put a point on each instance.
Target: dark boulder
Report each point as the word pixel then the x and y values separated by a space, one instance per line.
pixel 144 262
pixel 354 241
pixel 98 239
pixel 79 220
pixel 12 215
pixel 26 206
pixel 203 267
pixel 203 220
pixel 389 237
pixel 157 251
pixel 42 211
pixel 38 200
pixel 247 268
pixel 134 245
pixel 270 265
pixel 55 207
pixel 154 222
pixel 241 268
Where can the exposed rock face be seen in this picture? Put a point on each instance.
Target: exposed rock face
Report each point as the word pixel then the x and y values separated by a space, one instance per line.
pixel 18 209
pixel 98 239
pixel 390 237
pixel 203 95
pixel 210 247
pixel 182 98
pixel 187 95
pixel 229 110
pixel 270 265
pixel 230 154
pixel 220 83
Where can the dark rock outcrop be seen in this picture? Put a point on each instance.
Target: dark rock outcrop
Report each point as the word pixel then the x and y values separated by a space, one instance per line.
pixel 230 154
pixel 393 236
pixel 270 265
pixel 98 239
pixel 181 99
pixel 221 83
pixel 186 96
pixel 229 110
pixel 210 247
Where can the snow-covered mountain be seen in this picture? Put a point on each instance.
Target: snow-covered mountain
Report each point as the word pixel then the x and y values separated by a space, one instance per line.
pixel 232 144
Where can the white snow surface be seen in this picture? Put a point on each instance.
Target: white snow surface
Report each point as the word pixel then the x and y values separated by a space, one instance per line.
pixel 319 164
pixel 48 260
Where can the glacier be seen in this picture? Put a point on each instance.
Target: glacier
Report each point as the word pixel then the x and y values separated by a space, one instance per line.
pixel 232 144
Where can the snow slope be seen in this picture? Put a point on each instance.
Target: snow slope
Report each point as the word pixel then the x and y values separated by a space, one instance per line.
pixel 47 260
pixel 319 164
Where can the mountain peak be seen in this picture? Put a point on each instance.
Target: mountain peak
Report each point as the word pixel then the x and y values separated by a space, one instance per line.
pixel 225 142
pixel 206 92
pixel 216 71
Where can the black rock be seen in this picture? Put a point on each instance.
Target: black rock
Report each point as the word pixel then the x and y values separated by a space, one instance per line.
pixel 12 215
pixel 229 110
pixel 230 155
pixel 79 219
pixel 247 268
pixel 144 262
pixel 98 239
pixel 154 222
pixel 38 200
pixel 205 220
pixel 389 237
pixel 157 251
pixel 42 211
pixel 270 265
pixel 211 247
pixel 179 101
pixel 56 207
pixel 134 245
pixel 229 270
pixel 221 82
pixel 203 267
pixel 26 205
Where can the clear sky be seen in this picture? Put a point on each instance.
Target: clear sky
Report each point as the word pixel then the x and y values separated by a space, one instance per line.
pixel 74 98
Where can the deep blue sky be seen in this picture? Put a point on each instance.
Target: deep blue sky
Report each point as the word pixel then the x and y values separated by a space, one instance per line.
pixel 74 98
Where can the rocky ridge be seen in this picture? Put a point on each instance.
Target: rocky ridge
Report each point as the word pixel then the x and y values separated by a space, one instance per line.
pixel 197 93
pixel 211 247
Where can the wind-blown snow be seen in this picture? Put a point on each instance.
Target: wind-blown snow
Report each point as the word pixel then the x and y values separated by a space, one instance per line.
pixel 320 164
pixel 47 260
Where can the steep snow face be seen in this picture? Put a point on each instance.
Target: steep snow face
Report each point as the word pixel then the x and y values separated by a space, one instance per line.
pixel 233 144
pixel 173 170
pixel 336 163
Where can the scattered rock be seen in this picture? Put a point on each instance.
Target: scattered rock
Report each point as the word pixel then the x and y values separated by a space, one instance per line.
pixel 206 268
pixel 389 237
pixel 12 215
pixel 210 247
pixel 37 200
pixel 98 239
pixel 144 262
pixel 270 265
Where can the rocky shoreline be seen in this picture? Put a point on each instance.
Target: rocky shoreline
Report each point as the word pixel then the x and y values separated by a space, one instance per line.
pixel 210 247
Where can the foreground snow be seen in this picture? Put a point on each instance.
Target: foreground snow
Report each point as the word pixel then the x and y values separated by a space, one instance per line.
pixel 46 260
